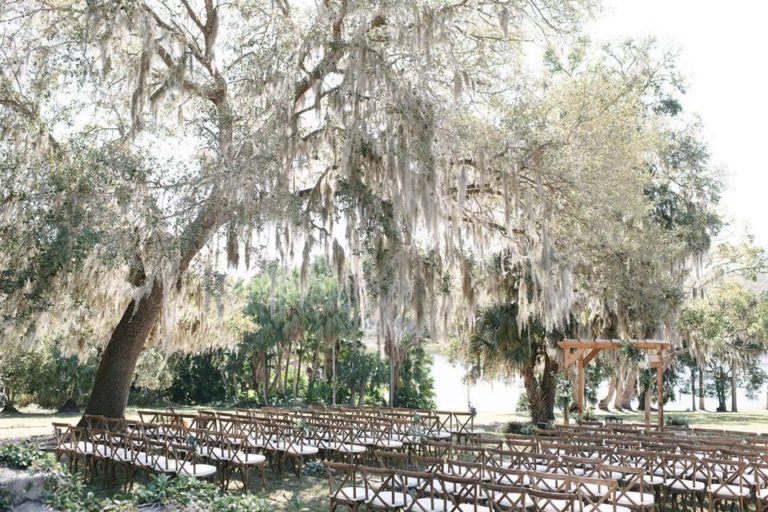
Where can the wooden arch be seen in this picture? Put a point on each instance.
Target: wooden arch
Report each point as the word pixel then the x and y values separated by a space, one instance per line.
pixel 581 352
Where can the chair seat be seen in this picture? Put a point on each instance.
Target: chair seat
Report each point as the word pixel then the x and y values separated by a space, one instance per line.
pixel 198 470
pixel 350 494
pixel 328 445
pixel 653 479
pixel 305 450
pixel 81 447
pixel 390 499
pixel 432 505
pixel 389 443
pixel 351 448
pixel 449 487
pixel 597 490
pixel 685 485
pixel 633 498
pixel 729 491
pixel 101 450
pixel 123 455
pixel 248 459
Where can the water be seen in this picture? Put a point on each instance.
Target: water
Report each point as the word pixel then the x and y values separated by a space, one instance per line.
pixel 499 396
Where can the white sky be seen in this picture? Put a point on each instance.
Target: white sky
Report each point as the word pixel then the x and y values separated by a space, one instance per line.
pixel 722 54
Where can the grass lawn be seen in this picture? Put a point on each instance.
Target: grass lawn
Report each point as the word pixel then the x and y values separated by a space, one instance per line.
pixel 37 422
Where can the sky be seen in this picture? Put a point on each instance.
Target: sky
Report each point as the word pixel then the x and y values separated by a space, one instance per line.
pixel 722 47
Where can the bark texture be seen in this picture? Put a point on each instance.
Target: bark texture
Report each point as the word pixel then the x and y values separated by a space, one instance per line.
pixel 541 392
pixel 605 403
pixel 114 377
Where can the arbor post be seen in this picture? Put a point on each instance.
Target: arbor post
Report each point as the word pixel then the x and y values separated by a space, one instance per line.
pixel 660 388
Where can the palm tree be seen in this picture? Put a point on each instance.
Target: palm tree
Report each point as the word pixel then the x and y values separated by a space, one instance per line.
pixel 333 322
pixel 500 347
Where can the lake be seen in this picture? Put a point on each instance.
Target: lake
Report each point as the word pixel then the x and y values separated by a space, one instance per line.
pixel 451 393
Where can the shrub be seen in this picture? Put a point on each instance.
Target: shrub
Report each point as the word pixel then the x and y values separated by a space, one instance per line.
pixel 20 456
pixel 522 403
pixel 676 421
pixel 66 492
pixel 517 427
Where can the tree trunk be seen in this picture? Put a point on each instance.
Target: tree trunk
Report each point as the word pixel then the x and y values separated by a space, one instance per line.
pixel 541 393
pixel 620 377
pixel 693 389
pixel 315 368
pixel 629 389
pixel 701 388
pixel 734 388
pixel 287 368
pixel 258 362
pixel 298 374
pixel 114 376
pixel 720 390
pixel 266 378
pixel 333 383
pixel 278 370
pixel 393 353
pixel 605 403
pixel 361 397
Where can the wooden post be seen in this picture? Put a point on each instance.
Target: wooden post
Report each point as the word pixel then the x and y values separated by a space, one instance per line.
pixel 660 388
pixel 580 385
pixel 647 398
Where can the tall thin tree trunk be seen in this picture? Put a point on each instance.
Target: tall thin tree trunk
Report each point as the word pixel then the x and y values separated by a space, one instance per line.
pixel 701 388
pixel 278 370
pixel 393 353
pixel 693 389
pixel 257 369
pixel 266 378
pixel 298 374
pixel 333 385
pixel 315 368
pixel 287 368
pixel 734 387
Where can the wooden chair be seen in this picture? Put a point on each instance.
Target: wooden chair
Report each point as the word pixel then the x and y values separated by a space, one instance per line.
pixel 760 475
pixel 239 457
pixel 548 501
pixel 596 495
pixel 726 482
pixel 460 494
pixel 503 498
pixel 422 486
pixel 181 459
pixel 521 443
pixel 631 493
pixel 387 489
pixel 343 487
pixel 679 471
pixel 65 444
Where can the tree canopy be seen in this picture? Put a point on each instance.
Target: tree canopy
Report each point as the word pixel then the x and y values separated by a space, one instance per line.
pixel 148 142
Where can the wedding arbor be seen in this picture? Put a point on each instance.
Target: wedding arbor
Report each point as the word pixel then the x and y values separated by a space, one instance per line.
pixel 581 352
